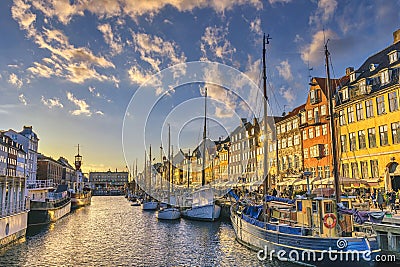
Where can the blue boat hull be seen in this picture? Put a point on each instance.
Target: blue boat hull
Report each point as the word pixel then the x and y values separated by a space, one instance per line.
pixel 304 250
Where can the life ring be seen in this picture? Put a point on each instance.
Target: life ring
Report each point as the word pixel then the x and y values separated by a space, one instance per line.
pixel 330 223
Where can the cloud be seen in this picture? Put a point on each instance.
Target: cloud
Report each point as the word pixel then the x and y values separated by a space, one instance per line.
pixel 298 38
pixel 138 76
pixel 25 18
pixel 287 94
pixel 215 45
pixel 22 99
pixel 324 12
pixel 83 107
pixel 279 1
pixel 14 80
pixel 255 26
pixel 284 70
pixel 155 50
pixel 314 52
pixel 110 39
pixel 99 112
pixel 51 102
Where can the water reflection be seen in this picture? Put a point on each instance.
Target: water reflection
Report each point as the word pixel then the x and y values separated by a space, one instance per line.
pixel 110 232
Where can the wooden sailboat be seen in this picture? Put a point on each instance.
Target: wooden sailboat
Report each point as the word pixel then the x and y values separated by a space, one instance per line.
pixel 81 195
pixel 203 205
pixel 304 230
pixel 170 212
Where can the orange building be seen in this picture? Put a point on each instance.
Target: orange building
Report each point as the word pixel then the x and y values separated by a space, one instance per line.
pixel 315 131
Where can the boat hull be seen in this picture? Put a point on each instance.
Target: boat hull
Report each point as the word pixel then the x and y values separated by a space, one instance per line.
pixel 13 227
pixel 151 205
pixel 301 249
pixel 168 214
pixel 203 213
pixel 45 215
pixel 80 200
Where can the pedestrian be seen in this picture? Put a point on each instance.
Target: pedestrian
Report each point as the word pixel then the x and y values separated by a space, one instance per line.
pixel 392 201
pixel 380 200
pixel 373 198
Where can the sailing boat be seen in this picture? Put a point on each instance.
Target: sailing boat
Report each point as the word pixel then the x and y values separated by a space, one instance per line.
pixel 149 203
pixel 203 205
pixel 304 230
pixel 80 195
pixel 169 213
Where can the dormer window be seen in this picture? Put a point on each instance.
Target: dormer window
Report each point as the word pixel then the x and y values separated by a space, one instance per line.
pixel 362 86
pixel 345 94
pixel 393 56
pixel 372 67
pixel 385 77
pixel 314 96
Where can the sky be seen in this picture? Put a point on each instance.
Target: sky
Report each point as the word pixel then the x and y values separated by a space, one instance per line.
pixel 74 70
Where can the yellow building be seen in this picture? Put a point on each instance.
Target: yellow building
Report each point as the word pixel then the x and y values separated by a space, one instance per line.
pixel 368 119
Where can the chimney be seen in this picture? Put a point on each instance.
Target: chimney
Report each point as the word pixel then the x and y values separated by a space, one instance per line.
pixel 244 120
pixel 349 70
pixel 396 36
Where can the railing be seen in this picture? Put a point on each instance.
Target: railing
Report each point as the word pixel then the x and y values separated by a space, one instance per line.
pixel 8 210
pixel 40 184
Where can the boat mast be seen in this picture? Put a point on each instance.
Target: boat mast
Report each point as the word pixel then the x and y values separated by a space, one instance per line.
pixel 267 183
pixel 169 164
pixel 188 170
pixel 203 170
pixel 332 126
pixel 150 174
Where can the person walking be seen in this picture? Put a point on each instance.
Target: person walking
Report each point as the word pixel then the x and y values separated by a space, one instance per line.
pixel 380 200
pixel 392 201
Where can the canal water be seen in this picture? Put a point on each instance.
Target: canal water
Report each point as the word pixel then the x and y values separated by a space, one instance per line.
pixel 110 232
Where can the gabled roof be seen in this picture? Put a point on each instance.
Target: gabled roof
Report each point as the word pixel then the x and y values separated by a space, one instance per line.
pixel 294 112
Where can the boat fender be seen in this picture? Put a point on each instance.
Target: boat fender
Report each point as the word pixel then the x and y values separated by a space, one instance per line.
pixel 330 220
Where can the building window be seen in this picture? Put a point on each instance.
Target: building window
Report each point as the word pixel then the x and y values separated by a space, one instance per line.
pixel 324 129
pixel 311 133
pixel 295 124
pixel 396 132
pixel 342 118
pixel 385 77
pixel 345 94
pixel 296 162
pixel 296 140
pixel 326 149
pixel 304 134
pixel 374 168
pixel 303 117
pixel 343 143
pixel 393 56
pixel 289 126
pixel 350 114
pixel 383 135
pixel 352 139
pixel 310 114
pixel 283 128
pixel 323 110
pixel 380 105
pixel 361 139
pixel 345 170
pixel 317 131
pixel 364 169
pixel 359 111
pixel 354 169
pixel 371 137
pixel 393 104
pixel 327 172
pixel 369 108
pixel 284 143
pixel 290 141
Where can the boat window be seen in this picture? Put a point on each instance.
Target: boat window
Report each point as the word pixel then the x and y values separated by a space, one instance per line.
pixel 328 207
pixel 314 207
pixel 299 206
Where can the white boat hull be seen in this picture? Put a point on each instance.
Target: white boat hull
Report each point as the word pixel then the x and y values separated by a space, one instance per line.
pixel 209 212
pixel 168 214
pixel 13 227
pixel 151 205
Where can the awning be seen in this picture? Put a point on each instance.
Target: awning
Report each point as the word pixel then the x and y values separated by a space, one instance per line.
pixel 325 181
